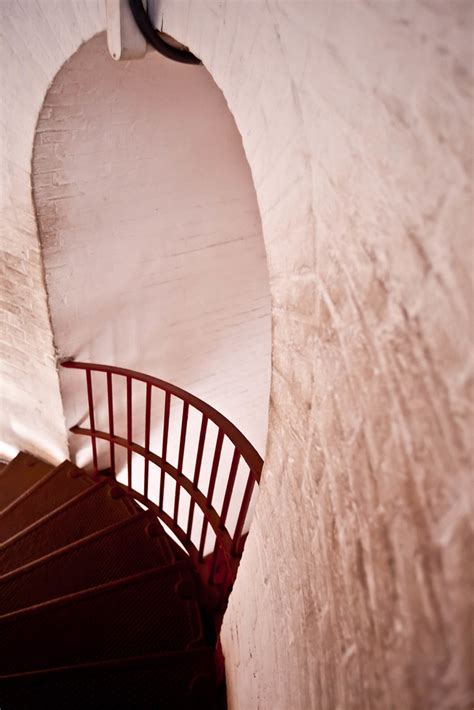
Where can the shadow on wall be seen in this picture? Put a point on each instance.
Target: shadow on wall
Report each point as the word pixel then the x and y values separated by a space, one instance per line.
pixel 151 234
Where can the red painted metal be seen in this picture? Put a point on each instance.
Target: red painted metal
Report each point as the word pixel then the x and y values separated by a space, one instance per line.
pixel 214 559
pixel 164 447
pixel 197 471
pixel 236 548
pixel 90 400
pixel 215 467
pixel 182 444
pixel 110 403
pixel 218 569
pixel 230 486
pixel 147 438
pixel 129 430
pixel 202 541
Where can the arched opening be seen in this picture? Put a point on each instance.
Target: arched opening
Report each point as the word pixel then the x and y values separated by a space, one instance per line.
pixel 151 237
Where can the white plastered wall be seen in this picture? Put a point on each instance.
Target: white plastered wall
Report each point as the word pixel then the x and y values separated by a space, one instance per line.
pixel 356 122
pixel 36 39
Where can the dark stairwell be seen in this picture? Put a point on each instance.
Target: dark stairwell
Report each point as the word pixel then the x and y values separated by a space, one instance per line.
pixel 99 606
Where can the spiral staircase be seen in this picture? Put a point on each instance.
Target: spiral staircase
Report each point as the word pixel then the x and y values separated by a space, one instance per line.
pixel 99 606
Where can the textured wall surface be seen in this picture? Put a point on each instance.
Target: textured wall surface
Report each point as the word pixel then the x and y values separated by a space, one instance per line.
pixel 36 39
pixel 356 121
pixel 355 117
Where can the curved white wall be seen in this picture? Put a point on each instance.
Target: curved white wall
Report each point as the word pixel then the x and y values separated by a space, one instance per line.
pixel 30 401
pixel 355 117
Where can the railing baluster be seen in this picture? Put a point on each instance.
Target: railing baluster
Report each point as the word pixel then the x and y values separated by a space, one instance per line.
pixel 164 448
pixel 110 403
pixel 90 399
pixel 203 539
pixel 182 444
pixel 243 513
pixel 197 471
pixel 147 438
pixel 230 486
pixel 129 430
pixel 215 467
pixel 222 562
pixel 210 490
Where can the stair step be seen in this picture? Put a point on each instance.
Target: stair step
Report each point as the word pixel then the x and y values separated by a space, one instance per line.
pixel 94 509
pixel 19 475
pixel 61 484
pixel 122 550
pixel 178 681
pixel 153 612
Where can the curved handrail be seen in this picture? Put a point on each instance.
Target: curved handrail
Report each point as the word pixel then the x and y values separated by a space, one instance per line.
pixel 218 569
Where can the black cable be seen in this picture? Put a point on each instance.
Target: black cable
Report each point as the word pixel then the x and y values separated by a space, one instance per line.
pixel 152 37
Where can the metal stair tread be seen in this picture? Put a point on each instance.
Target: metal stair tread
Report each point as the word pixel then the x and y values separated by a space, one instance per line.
pixel 118 551
pixel 64 466
pixel 19 475
pixel 150 658
pixel 94 591
pixel 91 510
pixel 61 484
pixel 138 615
pixel 108 601
pixel 153 681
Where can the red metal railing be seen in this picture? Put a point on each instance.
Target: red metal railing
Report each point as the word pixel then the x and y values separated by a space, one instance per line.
pixel 219 567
